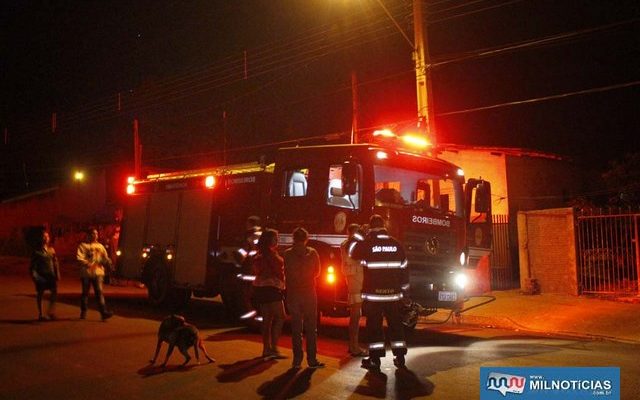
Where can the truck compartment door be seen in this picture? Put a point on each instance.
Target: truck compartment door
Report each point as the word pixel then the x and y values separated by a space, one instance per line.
pixel 132 240
pixel 193 237
pixel 163 212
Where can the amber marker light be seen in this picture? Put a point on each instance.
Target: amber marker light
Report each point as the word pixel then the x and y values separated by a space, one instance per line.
pixel 331 274
pixel 416 141
pixel 78 176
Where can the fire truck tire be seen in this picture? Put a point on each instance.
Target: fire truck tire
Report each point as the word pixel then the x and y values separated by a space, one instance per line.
pixel 158 284
pixel 231 295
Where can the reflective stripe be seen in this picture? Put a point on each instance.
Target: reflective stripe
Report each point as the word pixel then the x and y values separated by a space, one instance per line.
pixel 258 318
pixel 242 252
pixel 358 236
pixel 253 253
pixel 398 345
pixel 351 246
pixel 377 345
pixel 249 278
pixel 382 236
pixel 404 264
pixel 382 297
pixel 250 314
pixel 255 241
pixel 382 264
pixel 406 286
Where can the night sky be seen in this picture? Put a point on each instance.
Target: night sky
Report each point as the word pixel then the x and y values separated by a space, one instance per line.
pixel 555 76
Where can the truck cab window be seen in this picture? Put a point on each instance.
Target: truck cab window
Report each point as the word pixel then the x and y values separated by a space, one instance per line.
pixel 296 182
pixel 335 196
pixel 397 187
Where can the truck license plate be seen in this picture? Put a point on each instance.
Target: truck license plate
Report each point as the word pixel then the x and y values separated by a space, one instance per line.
pixel 447 296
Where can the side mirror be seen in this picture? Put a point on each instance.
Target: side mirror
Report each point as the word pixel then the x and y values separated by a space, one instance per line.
pixel 483 198
pixel 349 178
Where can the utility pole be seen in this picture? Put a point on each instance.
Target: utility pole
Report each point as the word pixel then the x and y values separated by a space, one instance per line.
pixel 137 156
pixel 423 73
pixel 354 105
pixel 422 61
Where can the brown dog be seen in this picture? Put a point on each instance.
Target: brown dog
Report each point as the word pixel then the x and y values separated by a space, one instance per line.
pixel 177 332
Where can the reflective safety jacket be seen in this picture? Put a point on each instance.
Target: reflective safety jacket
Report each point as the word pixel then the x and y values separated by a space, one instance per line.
pixel 386 276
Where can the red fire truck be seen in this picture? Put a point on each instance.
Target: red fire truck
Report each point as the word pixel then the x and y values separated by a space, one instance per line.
pixel 180 229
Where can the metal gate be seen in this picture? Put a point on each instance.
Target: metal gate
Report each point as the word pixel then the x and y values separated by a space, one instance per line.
pixel 608 251
pixel 502 276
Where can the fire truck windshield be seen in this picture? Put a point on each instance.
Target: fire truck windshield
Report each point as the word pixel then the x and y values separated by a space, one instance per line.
pixel 399 187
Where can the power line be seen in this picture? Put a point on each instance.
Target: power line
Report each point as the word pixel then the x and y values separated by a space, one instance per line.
pixel 540 99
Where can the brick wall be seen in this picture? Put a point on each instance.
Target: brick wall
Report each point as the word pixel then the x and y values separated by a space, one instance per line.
pixel 547 250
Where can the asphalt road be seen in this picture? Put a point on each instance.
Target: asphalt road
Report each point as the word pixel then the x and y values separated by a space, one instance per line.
pixel 74 359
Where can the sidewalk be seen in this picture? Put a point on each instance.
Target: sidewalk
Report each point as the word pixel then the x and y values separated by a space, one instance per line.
pixel 581 316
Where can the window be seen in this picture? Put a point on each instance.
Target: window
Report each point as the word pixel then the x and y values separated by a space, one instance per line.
pixel 398 187
pixel 296 182
pixel 335 197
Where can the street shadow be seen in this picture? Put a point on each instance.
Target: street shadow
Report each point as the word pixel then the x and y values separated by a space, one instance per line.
pixel 204 313
pixel 153 369
pixel 409 385
pixel 373 384
pixel 287 385
pixel 243 369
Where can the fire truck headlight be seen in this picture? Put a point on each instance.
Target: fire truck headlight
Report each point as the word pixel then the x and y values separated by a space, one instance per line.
pixel 461 280
pixel 463 258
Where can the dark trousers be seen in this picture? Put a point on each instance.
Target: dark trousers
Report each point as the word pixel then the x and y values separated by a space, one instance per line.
pixel 374 312
pixel 97 290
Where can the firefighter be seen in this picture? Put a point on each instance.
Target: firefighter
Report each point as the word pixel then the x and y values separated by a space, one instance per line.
pixel 384 286
pixel 244 261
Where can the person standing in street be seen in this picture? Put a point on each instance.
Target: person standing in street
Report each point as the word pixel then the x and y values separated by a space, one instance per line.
pixel 93 259
pixel 301 269
pixel 353 273
pixel 44 269
pixel 384 286
pixel 268 288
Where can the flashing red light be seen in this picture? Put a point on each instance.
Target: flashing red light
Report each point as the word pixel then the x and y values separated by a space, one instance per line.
pixel 416 141
pixel 131 179
pixel 210 181
pixel 131 188
pixel 384 133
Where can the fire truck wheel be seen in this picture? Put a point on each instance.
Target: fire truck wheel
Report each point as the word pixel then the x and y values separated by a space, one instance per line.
pixel 231 295
pixel 158 284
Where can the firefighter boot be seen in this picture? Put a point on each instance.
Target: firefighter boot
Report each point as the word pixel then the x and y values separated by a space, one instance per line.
pixel 399 362
pixel 371 363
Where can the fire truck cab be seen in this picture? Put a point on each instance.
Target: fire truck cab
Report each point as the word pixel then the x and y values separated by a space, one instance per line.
pixel 180 230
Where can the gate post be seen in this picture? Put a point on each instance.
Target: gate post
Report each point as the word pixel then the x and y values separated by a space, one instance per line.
pixel 636 239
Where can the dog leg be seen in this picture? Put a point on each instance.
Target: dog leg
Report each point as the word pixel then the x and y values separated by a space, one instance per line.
pixel 155 356
pixel 187 357
pixel 201 346
pixel 169 351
